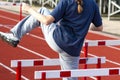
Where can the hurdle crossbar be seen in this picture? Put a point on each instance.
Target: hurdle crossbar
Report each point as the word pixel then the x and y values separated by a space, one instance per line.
pixel 76 73
pixel 13 4
pixel 54 62
pixel 9 4
pixel 102 42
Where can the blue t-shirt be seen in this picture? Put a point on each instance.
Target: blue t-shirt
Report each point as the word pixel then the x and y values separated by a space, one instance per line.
pixel 73 27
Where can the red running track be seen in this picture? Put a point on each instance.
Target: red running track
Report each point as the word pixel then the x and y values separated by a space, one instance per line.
pixel 33 46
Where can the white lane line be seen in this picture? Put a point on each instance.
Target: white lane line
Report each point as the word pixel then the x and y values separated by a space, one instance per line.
pixel 33 52
pixel 116 48
pixel 41 38
pixel 103 34
pixel 11 70
pixel 9 18
pixel 12 12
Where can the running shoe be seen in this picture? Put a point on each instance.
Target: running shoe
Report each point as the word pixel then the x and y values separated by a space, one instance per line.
pixel 9 38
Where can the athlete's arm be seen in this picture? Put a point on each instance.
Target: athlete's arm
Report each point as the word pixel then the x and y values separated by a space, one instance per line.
pixel 42 18
pixel 94 28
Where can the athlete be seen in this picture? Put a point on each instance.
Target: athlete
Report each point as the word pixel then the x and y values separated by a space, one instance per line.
pixel 64 28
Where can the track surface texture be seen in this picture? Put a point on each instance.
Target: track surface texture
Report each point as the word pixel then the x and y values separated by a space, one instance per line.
pixel 33 46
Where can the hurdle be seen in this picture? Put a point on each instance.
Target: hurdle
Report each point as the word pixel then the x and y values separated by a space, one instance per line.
pixel 13 4
pixel 43 75
pixel 50 62
pixel 91 43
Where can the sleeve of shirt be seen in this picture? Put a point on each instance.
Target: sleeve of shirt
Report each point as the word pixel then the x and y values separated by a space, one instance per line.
pixel 97 20
pixel 59 10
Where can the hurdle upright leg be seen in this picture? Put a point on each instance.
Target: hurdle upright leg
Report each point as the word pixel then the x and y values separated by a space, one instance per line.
pixel 86 55
pixel 43 76
pixel 99 66
pixel 20 11
pixel 18 71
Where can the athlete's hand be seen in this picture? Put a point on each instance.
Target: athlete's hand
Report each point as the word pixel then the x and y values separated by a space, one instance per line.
pixel 26 7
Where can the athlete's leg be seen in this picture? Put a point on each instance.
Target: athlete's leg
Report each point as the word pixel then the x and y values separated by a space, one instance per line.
pixel 48 31
pixel 24 26
pixel 68 63
pixel 20 29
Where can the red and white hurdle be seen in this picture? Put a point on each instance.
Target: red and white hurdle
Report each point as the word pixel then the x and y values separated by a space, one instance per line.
pixel 51 62
pixel 43 75
pixel 12 4
pixel 92 43
pixel 9 4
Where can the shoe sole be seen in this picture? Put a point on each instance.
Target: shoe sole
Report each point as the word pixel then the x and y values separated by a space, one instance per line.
pixel 9 41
